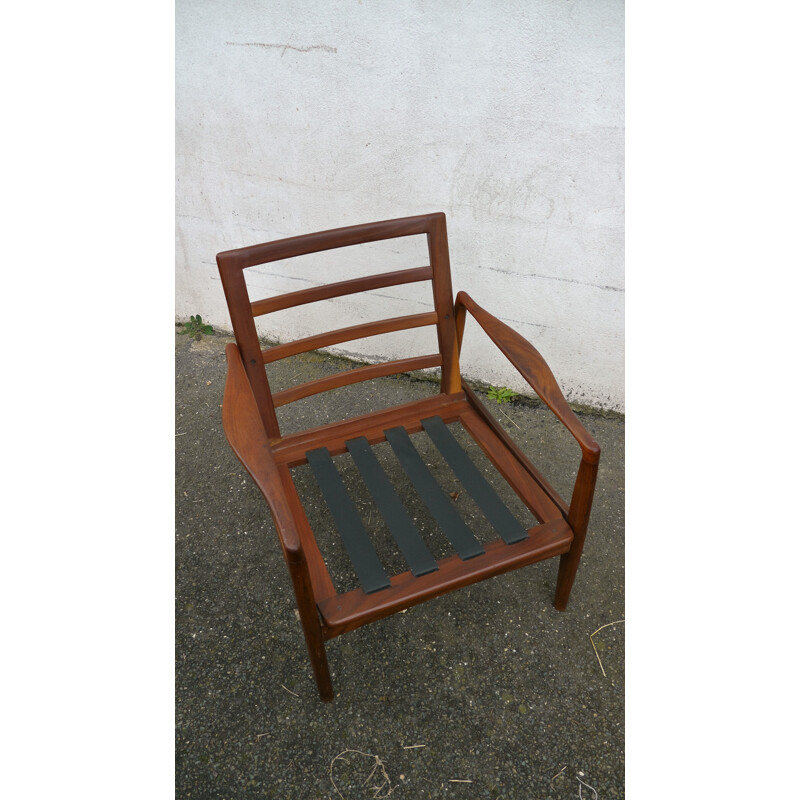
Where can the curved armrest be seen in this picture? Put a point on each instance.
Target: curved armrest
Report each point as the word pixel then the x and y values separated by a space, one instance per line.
pixel 245 432
pixel 529 363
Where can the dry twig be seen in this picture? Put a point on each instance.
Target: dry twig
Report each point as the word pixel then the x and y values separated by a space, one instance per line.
pixel 591 639
pixel 509 419
pixel 381 790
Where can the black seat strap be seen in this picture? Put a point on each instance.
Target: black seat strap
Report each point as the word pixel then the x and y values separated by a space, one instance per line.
pixel 356 541
pixel 478 488
pixel 405 533
pixel 439 504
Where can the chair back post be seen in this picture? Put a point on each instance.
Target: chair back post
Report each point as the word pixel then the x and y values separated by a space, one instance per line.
pixel 443 302
pixel 244 329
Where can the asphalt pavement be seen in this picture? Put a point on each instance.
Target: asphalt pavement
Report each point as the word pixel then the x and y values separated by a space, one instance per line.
pixel 487 692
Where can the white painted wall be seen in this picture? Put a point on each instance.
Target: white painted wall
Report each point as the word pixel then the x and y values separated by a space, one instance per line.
pixel 300 115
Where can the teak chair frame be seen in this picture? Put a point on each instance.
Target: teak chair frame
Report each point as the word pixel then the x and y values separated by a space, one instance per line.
pixel 252 429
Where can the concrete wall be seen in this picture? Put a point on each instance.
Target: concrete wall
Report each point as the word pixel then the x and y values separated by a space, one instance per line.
pixel 296 116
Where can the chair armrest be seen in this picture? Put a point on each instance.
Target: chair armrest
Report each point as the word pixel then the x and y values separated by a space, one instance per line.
pixel 527 360
pixel 245 432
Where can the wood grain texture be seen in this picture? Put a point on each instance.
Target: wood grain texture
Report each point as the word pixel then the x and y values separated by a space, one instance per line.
pixel 530 364
pixel 291 449
pixel 579 512
pixel 244 328
pixel 248 439
pixel 443 299
pixel 319 576
pixel 293 246
pixel 351 610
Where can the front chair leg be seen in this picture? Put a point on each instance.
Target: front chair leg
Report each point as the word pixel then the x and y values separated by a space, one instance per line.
pixel 309 619
pixel 578 519
pixel 567 569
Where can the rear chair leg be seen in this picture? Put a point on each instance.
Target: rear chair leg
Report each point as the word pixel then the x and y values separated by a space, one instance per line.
pixel 309 618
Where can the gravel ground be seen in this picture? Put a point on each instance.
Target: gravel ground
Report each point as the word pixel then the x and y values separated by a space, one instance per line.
pixel 486 692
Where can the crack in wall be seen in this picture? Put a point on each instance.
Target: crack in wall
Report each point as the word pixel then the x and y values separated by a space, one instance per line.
pixel 553 278
pixel 524 322
pixel 284 47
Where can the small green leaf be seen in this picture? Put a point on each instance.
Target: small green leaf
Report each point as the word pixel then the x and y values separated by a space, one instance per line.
pixel 501 394
pixel 196 328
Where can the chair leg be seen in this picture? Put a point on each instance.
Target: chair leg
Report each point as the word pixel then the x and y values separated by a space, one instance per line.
pixel 567 569
pixel 309 619
pixel 579 510
pixel 319 659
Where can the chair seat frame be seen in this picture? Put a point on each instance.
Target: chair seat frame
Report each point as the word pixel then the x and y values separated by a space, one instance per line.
pixel 252 429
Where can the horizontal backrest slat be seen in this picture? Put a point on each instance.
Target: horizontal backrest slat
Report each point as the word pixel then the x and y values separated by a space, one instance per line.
pixel 340 335
pixel 245 257
pixel 350 376
pixel 339 289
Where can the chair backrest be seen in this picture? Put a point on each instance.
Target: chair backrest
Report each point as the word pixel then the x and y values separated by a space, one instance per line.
pixel 243 311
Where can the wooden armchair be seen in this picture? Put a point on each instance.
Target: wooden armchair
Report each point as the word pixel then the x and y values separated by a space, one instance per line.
pixel 251 426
